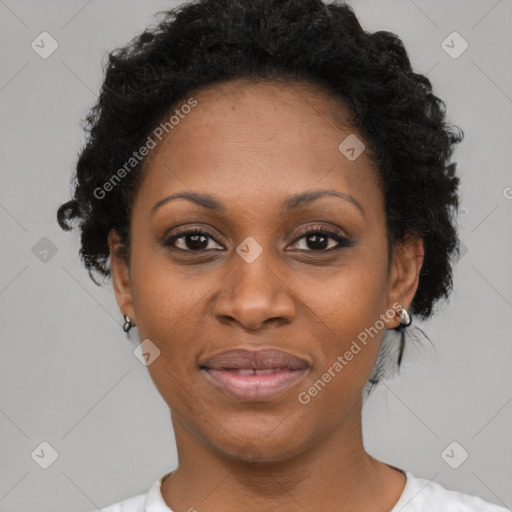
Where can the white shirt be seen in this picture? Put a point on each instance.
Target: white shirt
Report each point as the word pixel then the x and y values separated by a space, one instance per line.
pixel 419 495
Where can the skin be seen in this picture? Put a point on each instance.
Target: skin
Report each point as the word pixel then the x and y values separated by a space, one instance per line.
pixel 251 146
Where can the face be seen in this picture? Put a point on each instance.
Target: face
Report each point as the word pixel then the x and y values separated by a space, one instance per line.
pixel 260 258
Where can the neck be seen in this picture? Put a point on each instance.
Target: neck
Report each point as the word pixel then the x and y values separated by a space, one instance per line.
pixel 333 473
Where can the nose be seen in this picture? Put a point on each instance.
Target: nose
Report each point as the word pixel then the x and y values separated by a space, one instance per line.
pixel 253 294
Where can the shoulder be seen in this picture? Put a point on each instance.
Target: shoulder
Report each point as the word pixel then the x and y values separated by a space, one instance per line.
pixel 152 500
pixel 135 504
pixel 422 495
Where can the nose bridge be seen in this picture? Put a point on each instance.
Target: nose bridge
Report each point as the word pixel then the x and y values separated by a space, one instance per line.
pixel 253 291
pixel 252 268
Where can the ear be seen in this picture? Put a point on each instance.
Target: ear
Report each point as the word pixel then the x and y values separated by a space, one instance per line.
pixel 121 275
pixel 407 259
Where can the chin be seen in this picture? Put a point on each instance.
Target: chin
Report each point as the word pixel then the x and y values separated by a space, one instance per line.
pixel 260 446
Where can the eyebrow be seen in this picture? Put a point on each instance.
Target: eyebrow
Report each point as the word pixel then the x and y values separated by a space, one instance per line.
pixel 290 204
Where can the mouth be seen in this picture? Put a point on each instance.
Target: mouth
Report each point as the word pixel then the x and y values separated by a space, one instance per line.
pixel 252 376
pixel 254 385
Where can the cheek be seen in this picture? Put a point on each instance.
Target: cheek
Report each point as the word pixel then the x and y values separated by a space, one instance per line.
pixel 347 308
pixel 346 356
pixel 167 304
pixel 352 296
pixel 164 294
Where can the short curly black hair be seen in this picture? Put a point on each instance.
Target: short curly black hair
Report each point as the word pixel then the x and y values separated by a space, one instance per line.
pixel 207 42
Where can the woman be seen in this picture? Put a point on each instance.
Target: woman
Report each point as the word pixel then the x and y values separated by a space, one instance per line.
pixel 269 187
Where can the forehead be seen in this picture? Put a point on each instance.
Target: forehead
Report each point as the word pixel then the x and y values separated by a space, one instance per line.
pixel 254 142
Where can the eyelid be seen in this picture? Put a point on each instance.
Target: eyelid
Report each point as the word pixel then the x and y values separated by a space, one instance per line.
pixel 168 240
pixel 320 227
pixel 342 240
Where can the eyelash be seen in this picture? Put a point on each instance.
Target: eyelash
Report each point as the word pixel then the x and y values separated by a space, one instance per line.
pixel 340 239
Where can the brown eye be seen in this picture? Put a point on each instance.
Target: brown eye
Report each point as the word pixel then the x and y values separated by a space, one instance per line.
pixel 192 240
pixel 322 239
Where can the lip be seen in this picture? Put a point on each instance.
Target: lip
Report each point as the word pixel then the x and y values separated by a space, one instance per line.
pixel 262 359
pixel 252 376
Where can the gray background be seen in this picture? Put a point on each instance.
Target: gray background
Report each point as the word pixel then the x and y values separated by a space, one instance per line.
pixel 68 373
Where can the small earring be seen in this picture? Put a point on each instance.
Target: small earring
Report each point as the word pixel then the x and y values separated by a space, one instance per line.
pixel 127 323
pixel 405 318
